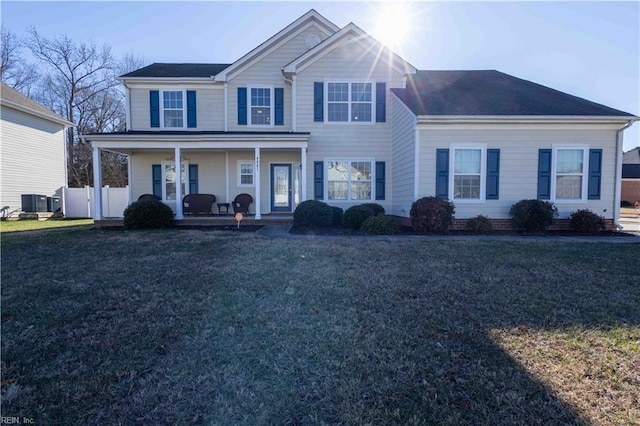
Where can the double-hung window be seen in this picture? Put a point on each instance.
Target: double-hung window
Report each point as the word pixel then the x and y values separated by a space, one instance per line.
pixel 173 110
pixel 350 102
pixel 169 179
pixel 261 106
pixel 349 179
pixel 569 168
pixel 245 173
pixel 468 166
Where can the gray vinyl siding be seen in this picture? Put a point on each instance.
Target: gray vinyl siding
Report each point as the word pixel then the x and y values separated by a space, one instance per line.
pixel 268 72
pixel 519 165
pixel 209 108
pixel 32 157
pixel 348 62
pixel 403 158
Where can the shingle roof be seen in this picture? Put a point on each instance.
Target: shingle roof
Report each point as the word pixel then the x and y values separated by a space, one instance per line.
pixel 8 94
pixel 631 156
pixel 491 92
pixel 177 70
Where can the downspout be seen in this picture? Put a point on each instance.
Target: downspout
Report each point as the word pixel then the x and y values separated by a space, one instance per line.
pixel 617 194
pixel 292 81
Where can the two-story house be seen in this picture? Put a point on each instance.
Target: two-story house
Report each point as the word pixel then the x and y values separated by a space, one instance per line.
pixel 328 113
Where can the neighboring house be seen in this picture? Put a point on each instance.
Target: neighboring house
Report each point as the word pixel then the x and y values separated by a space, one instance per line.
pixel 328 113
pixel 631 175
pixel 32 150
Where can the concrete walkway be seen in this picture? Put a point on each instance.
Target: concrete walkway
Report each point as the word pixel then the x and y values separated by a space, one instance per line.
pixel 282 231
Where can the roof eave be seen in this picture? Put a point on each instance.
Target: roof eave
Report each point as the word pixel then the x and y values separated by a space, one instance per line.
pixel 55 119
pixel 525 119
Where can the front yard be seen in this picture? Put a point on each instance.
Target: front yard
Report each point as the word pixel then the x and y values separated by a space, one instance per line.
pixel 210 327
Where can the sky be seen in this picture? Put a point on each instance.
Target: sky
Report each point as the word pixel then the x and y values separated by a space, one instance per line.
pixel 588 49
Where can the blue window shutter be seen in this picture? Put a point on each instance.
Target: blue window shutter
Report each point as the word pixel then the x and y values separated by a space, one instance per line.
pixel 193 178
pixel 442 173
pixel 595 173
pixel 544 174
pixel 381 102
pixel 318 180
pixel 380 180
pixel 154 107
pixel 242 106
pixel 493 174
pixel 318 101
pixel 278 97
pixel 191 109
pixel 156 179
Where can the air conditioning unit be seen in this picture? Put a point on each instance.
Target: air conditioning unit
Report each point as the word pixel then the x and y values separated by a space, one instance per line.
pixel 34 203
pixel 54 204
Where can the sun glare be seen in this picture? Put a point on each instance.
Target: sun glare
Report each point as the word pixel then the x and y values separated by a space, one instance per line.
pixel 393 24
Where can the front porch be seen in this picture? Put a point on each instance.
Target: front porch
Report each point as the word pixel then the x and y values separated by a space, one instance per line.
pixel 212 221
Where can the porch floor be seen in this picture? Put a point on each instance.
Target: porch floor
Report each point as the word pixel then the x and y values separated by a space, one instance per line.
pixel 216 220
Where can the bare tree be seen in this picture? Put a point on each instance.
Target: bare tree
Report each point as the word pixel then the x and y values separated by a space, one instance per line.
pixel 79 78
pixel 14 71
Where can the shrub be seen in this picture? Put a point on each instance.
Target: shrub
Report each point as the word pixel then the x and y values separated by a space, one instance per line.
pixel 480 225
pixel 337 216
pixel 586 222
pixel 313 213
pixel 532 215
pixel 355 216
pixel 432 214
pixel 376 208
pixel 147 214
pixel 380 225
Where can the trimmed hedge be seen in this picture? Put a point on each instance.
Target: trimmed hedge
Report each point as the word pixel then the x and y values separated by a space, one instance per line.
pixel 337 216
pixel 533 215
pixel 380 225
pixel 313 214
pixel 432 214
pixel 585 221
pixel 480 225
pixel 355 216
pixel 147 214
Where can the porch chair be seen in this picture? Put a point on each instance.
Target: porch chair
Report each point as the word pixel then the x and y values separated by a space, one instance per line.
pixel 148 197
pixel 241 203
pixel 196 204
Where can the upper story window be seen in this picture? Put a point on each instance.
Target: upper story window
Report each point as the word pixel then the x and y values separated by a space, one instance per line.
pixel 350 102
pixel 261 106
pixel 173 111
pixel 569 173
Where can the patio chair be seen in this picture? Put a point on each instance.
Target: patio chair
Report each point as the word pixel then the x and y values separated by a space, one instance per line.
pixel 241 203
pixel 198 204
pixel 148 197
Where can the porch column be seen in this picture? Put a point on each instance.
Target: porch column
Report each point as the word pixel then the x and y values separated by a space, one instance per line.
pixel 257 182
pixel 97 184
pixel 303 173
pixel 178 184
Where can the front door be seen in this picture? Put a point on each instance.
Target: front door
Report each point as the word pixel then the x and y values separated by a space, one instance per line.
pixel 281 187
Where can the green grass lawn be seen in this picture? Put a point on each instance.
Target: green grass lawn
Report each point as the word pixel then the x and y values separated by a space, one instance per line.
pixel 209 327
pixel 34 225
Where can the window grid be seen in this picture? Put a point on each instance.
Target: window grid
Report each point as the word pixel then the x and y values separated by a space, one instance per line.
pixel 260 106
pixel 349 180
pixel 173 108
pixel 349 102
pixel 246 174
pixel 170 180
pixel 569 174
pixel 467 169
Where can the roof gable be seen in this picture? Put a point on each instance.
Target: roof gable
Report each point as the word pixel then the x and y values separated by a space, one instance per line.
pixel 492 93
pixel 11 98
pixel 631 156
pixel 310 18
pixel 360 37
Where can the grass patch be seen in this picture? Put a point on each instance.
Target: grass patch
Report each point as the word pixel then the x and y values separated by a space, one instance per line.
pixel 35 225
pixel 185 326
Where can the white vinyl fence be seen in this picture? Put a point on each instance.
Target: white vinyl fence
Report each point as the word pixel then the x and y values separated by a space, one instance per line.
pixel 79 202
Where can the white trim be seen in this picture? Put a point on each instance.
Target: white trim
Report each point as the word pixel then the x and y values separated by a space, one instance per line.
pixel 483 172
pixel 430 120
pixel 97 184
pixel 178 170
pixel 271 104
pixel 256 180
pixel 349 200
pixel 325 105
pixel 127 106
pixel 585 173
pixel 61 121
pixel 226 107
pixel 226 177
pixel 239 174
pixel 294 103
pixel 416 165
pixel 303 177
